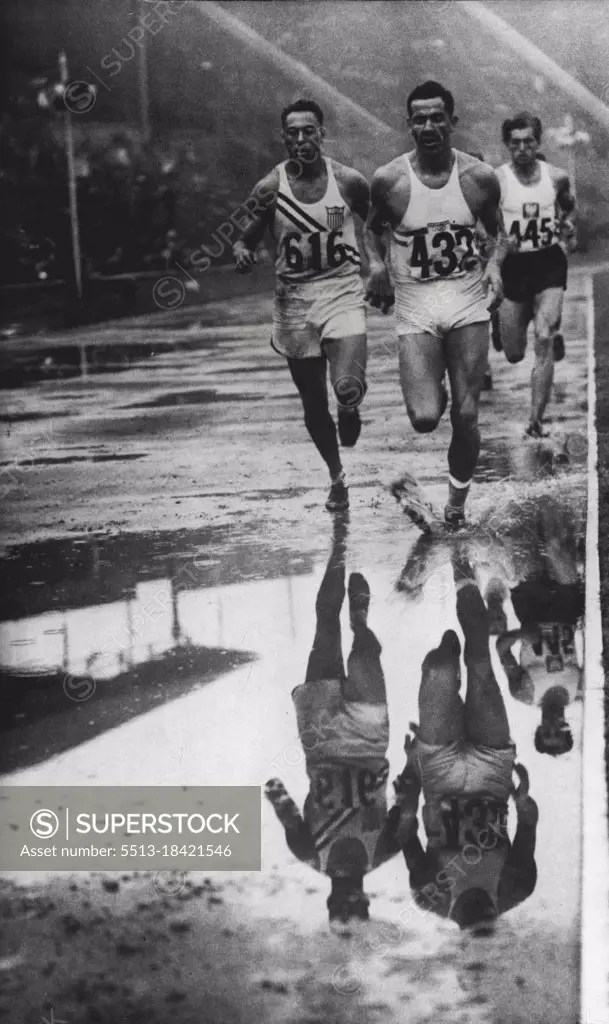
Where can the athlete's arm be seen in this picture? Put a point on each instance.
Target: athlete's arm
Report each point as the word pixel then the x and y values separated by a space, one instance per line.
pixel 565 209
pixel 519 680
pixel 260 208
pixel 379 289
pixel 387 845
pixel 407 788
pixel 420 869
pixel 356 191
pixel 565 200
pixel 519 876
pixel 491 218
pixel 283 805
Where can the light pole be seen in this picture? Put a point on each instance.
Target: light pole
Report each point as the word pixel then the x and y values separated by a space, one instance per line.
pixel 144 95
pixel 69 138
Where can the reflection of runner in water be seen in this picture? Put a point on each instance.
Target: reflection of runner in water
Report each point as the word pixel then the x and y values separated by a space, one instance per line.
pixel 549 603
pixel 344 729
pixel 462 759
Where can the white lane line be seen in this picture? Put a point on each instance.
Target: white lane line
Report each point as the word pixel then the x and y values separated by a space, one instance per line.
pixel 594 993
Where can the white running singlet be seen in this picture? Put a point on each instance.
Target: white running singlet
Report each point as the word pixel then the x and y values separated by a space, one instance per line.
pixel 435 238
pixel 529 211
pixel 315 241
pixel 346 802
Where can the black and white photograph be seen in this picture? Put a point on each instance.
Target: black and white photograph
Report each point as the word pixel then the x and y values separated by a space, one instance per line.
pixel 304 535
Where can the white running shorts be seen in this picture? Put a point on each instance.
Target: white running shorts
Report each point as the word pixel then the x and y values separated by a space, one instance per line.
pixel 308 313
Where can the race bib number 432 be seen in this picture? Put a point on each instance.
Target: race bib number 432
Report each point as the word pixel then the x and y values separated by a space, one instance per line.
pixel 441 251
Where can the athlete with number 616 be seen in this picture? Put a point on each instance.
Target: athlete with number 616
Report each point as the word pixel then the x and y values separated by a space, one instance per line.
pixel 309 203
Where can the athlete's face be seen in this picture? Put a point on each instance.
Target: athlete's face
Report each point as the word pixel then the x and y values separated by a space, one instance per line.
pixel 303 136
pixel 430 125
pixel 523 146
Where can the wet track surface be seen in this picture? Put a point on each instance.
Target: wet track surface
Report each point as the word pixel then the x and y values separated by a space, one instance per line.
pixel 163 608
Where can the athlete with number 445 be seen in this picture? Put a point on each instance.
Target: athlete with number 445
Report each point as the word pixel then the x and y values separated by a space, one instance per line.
pixel 536 200
pixel 428 203
pixel 308 204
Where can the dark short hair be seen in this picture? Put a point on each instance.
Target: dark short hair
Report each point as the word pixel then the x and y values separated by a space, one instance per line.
pixel 431 90
pixel 302 106
pixel 543 748
pixel 475 909
pixel 518 122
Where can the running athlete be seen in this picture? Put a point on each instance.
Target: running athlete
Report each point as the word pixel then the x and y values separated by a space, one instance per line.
pixel 536 201
pixel 549 603
pixel 345 830
pixel 430 201
pixel 462 759
pixel 309 203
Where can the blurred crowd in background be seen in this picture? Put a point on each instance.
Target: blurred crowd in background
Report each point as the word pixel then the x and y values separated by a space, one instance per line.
pixel 139 206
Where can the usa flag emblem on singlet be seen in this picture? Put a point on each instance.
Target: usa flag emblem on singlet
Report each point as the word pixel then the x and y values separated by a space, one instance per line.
pixel 336 217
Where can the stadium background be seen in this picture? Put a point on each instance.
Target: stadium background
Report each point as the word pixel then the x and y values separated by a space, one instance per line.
pixel 214 104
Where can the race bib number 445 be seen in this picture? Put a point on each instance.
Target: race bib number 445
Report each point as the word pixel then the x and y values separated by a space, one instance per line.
pixel 441 251
pixel 531 231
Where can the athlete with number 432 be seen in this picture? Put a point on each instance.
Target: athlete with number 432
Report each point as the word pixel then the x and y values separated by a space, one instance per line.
pixel 308 204
pixel 429 202
pixel 536 200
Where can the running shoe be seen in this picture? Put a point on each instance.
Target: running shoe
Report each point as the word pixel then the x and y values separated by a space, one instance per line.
pixel 454 517
pixel 409 494
pixel 359 598
pixel 338 498
pixel 536 431
pixel 487 381
pixel 349 426
pixel 558 345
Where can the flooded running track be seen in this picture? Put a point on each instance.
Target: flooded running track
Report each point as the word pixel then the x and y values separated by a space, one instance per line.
pixel 166 609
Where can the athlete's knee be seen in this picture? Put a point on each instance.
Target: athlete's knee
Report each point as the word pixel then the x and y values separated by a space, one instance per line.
pixel 464 414
pixel 350 390
pixel 543 341
pixel 424 424
pixel 424 418
pixel 546 329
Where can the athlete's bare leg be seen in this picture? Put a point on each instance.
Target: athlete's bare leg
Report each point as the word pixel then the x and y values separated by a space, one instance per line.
pixel 514 319
pixel 310 377
pixel 365 680
pixel 466 352
pixel 326 658
pixel 485 714
pixel 347 358
pixel 422 367
pixel 441 710
pixel 547 316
